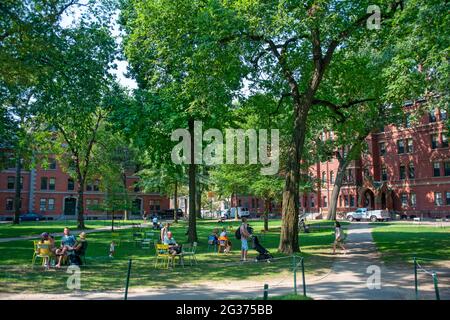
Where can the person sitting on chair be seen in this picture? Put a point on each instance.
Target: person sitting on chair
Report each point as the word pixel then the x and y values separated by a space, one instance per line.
pixel 224 237
pixel 67 243
pixel 174 248
pixel 80 248
pixel 155 222
pixel 45 250
pixel 213 240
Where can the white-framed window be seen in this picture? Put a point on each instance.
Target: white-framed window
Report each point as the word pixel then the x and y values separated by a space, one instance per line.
pixel 413 199
pixel 404 200
pixel 447 198
pixel 51 204
pixel 42 204
pixel 438 199
pixel 51 184
pixel 9 204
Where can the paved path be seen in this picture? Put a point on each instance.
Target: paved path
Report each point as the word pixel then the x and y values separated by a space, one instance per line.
pixel 347 280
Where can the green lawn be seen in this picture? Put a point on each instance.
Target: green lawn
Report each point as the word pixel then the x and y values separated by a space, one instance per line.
pixel 401 242
pixel 32 228
pixel 103 273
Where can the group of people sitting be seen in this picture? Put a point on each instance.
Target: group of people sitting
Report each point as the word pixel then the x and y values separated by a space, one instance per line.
pixel 220 240
pixel 70 248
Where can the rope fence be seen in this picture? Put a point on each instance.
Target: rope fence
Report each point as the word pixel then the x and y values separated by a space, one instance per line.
pixel 418 268
pixel 106 277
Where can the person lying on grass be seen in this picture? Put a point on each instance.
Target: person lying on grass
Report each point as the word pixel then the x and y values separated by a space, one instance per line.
pixel 174 248
pixel 67 243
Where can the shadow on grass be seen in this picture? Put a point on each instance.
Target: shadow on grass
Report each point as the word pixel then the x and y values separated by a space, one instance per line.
pixel 102 273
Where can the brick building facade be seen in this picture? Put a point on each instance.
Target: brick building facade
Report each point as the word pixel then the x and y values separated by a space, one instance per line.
pixel 51 192
pixel 405 170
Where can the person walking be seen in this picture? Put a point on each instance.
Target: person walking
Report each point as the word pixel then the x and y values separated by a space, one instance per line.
pixel 338 237
pixel 244 239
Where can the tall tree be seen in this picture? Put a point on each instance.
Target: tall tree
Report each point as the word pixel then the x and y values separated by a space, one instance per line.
pixel 115 159
pixel 79 95
pixel 176 61
pixel 294 45
pixel 28 29
pixel 169 179
pixel 269 189
pixel 26 136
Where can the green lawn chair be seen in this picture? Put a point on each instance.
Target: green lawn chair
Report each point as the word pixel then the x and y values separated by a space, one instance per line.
pixel 189 250
pixel 147 241
pixel 137 238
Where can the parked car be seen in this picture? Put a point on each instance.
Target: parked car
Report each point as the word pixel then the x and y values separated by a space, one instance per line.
pixel 231 213
pixel 308 216
pixel 366 214
pixel 169 213
pixel 31 217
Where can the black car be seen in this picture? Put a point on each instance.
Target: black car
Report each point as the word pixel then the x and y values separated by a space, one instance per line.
pixel 31 217
pixel 169 213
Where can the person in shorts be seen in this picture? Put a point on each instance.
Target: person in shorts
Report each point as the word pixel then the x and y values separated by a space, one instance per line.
pixel 339 237
pixel 67 243
pixel 245 235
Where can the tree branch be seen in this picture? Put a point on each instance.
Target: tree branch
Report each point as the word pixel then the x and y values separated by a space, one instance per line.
pixel 91 144
pixel 395 4
pixel 336 108
pixel 283 96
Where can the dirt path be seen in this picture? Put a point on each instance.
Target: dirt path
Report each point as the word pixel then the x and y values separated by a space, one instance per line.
pixel 347 280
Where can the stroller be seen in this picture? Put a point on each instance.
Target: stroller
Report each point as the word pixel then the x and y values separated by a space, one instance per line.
pixel 264 255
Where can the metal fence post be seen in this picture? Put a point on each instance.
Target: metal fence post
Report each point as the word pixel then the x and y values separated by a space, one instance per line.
pixel 303 277
pixel 266 292
pixel 295 274
pixel 436 288
pixel 416 287
pixel 128 280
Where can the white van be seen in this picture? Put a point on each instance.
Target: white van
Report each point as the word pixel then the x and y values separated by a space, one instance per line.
pixel 231 213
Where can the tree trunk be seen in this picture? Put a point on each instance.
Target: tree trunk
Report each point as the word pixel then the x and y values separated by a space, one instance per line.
pixel 80 204
pixel 192 234
pixel 18 189
pixel 175 202
pixel 236 217
pixel 112 221
pixel 125 190
pixel 266 214
pixel 337 189
pixel 343 164
pixel 198 200
pixel 290 210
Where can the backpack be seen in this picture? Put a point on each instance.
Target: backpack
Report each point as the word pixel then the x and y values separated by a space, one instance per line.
pixel 238 233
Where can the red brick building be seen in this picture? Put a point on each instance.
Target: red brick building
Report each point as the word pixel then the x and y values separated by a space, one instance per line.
pixel 53 193
pixel 405 170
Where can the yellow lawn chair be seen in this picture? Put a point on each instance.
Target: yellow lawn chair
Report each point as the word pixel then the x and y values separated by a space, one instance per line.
pixel 42 251
pixel 163 255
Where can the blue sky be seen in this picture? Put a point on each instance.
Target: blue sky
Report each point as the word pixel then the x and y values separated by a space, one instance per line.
pixel 73 14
